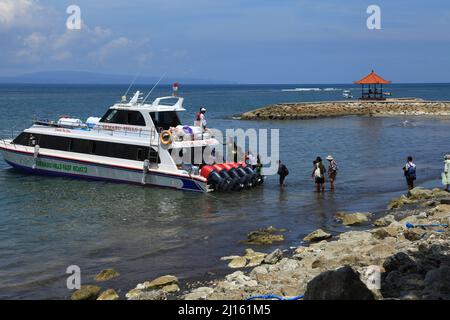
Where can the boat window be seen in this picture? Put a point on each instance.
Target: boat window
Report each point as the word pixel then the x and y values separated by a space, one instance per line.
pixel 99 148
pixel 24 139
pixel 54 142
pixel 81 146
pixel 140 154
pixel 133 118
pixel 165 119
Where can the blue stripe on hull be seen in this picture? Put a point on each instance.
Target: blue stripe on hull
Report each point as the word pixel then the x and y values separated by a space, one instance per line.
pixel 188 185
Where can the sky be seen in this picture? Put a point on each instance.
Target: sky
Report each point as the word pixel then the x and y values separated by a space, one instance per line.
pixel 251 41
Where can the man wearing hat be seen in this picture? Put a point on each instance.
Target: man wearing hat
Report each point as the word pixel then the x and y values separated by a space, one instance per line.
pixel 332 171
pixel 203 118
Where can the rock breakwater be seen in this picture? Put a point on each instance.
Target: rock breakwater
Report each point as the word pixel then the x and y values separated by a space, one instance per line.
pixel 311 110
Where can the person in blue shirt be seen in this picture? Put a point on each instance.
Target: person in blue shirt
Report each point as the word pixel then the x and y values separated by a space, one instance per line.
pixel 409 171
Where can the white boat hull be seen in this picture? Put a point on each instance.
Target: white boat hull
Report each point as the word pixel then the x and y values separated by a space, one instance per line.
pixel 65 167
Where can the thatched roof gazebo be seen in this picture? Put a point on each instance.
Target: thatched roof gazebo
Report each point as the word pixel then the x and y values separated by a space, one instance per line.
pixel 374 89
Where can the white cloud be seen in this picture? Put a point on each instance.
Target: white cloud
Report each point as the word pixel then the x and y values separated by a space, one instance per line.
pixel 34 40
pixel 19 13
pixel 34 36
pixel 110 49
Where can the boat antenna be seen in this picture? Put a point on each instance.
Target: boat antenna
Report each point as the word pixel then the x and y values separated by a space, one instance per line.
pixel 156 84
pixel 132 82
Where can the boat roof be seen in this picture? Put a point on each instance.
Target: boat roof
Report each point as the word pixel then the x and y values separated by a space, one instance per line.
pixel 158 105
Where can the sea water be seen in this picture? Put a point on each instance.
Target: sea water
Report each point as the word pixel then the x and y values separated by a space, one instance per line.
pixel 47 224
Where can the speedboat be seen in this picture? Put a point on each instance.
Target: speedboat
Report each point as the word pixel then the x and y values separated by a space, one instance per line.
pixel 347 94
pixel 134 142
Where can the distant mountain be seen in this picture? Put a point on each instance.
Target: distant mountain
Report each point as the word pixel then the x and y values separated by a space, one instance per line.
pixel 83 77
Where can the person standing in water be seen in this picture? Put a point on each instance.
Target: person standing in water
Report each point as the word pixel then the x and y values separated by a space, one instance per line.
pixel 258 167
pixel 332 171
pixel 282 172
pixel 409 171
pixel 446 173
pixel 252 161
pixel 318 174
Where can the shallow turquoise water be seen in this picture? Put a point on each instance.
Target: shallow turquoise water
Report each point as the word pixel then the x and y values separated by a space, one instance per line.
pixel 47 224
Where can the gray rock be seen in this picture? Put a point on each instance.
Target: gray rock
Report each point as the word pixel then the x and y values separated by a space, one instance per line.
pixel 136 294
pixel 199 294
pixel 341 284
pixel 384 221
pixel 273 257
pixel 350 219
pixel 264 236
pixel 109 294
pixel 437 284
pixel 106 274
pixel 399 262
pixel 397 202
pixel 239 280
pixel 158 283
pixel 259 270
pixel 86 292
pixel 317 235
pixel 171 288
pixel 420 193
pixel 238 262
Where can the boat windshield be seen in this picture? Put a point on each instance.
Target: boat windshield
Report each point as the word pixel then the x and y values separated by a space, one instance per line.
pixel 165 119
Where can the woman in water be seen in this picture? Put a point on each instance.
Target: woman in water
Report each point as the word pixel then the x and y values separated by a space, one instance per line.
pixel 318 174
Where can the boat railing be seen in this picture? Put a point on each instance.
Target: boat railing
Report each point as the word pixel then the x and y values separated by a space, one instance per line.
pixel 112 130
pixel 124 131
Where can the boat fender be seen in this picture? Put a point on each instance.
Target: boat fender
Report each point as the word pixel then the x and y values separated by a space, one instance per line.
pixel 145 167
pixel 35 155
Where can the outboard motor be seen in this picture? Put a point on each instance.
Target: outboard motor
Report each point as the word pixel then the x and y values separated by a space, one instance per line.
pixel 252 175
pixel 226 169
pixel 234 175
pixel 256 179
pixel 245 179
pixel 229 182
pixel 215 179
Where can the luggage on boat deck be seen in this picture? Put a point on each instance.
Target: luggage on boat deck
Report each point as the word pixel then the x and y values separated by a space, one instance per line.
pixel 71 122
pixel 92 122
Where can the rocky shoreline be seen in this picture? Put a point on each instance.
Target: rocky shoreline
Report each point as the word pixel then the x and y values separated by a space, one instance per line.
pixel 403 255
pixel 311 110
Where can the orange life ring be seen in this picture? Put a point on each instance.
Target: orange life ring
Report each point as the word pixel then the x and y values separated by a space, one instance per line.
pixel 165 137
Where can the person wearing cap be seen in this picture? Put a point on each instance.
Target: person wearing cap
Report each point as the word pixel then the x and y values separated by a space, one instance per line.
pixel 446 173
pixel 332 171
pixel 203 118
